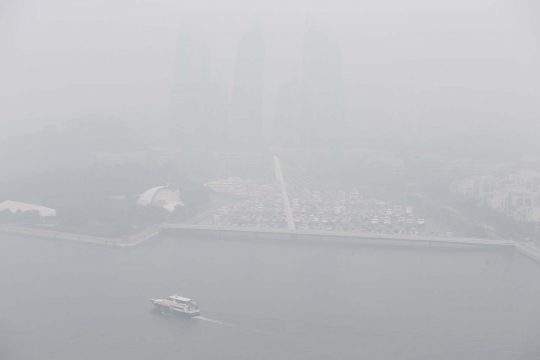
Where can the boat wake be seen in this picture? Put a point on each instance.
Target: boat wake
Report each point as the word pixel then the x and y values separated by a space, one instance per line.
pixel 233 325
pixel 213 321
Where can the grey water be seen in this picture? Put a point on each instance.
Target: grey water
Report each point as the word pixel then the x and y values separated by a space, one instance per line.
pixel 265 300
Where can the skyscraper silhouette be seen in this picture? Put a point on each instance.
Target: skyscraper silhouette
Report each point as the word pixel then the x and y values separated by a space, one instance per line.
pixel 324 93
pixel 289 124
pixel 199 104
pixel 181 107
pixel 246 130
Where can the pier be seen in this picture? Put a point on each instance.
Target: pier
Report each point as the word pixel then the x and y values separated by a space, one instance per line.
pixel 351 236
pixel 529 250
pixel 126 241
pixel 292 234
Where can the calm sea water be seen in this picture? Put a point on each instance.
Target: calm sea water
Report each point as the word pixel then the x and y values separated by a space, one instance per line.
pixel 63 300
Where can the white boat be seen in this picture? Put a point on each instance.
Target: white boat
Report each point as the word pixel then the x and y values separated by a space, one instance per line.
pixel 177 305
pixel 421 221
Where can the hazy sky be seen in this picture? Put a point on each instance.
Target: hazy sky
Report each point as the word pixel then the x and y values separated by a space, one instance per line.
pixel 417 65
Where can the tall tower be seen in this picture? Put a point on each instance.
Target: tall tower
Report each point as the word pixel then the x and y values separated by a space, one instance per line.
pixel 246 130
pixel 324 94
pixel 289 127
pixel 199 105
pixel 181 109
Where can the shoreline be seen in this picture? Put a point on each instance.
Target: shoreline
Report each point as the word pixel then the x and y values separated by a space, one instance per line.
pixel 125 241
pixel 152 231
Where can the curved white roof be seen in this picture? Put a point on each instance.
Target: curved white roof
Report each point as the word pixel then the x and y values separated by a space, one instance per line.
pixel 160 196
pixel 15 206
pixel 147 197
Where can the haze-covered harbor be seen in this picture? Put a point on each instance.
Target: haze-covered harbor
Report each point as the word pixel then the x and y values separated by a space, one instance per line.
pixel 269 180
pixel 294 301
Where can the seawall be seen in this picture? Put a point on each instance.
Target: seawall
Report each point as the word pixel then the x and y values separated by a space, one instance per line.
pixel 127 241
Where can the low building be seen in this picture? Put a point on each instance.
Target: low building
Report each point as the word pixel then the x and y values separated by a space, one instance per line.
pixel 499 202
pixel 232 185
pixel 482 187
pixel 534 215
pixel 528 179
pixel 466 187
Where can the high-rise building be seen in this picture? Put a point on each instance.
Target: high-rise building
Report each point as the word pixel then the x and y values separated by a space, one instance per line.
pixel 199 104
pixel 181 107
pixel 312 113
pixel 324 94
pixel 289 127
pixel 246 128
pixel 218 106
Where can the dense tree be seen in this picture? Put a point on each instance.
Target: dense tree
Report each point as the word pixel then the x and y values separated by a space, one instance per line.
pixel 103 194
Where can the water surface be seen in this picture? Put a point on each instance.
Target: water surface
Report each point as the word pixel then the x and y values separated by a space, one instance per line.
pixel 63 300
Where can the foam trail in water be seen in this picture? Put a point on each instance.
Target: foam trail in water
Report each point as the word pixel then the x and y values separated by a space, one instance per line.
pixel 233 325
pixel 212 320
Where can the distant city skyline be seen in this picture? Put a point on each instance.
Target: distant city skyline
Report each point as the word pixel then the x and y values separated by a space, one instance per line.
pixel 416 68
pixel 306 114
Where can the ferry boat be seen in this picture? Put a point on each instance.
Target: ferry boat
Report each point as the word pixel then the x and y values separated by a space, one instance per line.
pixel 177 305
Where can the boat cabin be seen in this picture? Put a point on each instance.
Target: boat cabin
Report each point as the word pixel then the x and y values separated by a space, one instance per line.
pixel 180 300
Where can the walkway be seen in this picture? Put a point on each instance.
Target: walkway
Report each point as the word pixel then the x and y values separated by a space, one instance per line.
pixel 341 234
pixel 135 239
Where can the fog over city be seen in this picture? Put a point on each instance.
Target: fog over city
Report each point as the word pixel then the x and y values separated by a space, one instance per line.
pixel 417 68
pixel 278 179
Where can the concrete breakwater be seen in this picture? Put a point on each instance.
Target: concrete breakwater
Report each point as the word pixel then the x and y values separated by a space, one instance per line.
pixel 529 250
pixel 153 230
pixel 126 241
pixel 350 236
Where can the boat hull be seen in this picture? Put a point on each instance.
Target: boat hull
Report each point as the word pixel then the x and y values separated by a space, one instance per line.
pixel 164 309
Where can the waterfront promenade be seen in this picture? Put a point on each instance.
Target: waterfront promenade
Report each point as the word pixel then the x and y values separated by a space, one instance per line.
pixel 126 241
pixel 304 236
pixel 297 234
pixel 529 250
